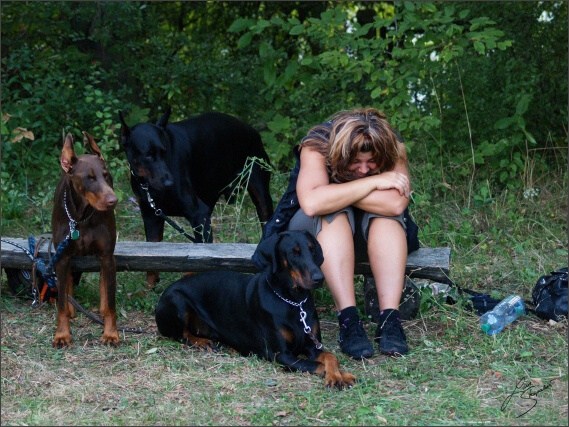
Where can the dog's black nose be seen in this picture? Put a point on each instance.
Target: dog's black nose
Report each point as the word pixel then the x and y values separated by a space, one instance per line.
pixel 318 277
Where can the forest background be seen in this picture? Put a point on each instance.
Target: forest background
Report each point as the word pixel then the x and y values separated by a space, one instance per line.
pixel 477 89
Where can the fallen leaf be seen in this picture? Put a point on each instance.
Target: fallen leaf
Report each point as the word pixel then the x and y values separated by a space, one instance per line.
pixel 20 133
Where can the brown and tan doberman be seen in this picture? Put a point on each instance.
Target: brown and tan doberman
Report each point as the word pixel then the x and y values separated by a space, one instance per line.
pixel 83 214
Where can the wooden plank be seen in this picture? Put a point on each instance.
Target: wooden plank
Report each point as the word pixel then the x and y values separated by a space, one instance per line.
pixel 428 263
pixel 424 263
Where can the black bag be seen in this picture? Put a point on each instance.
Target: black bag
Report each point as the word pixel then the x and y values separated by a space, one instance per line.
pixel 479 303
pixel 19 281
pixel 550 296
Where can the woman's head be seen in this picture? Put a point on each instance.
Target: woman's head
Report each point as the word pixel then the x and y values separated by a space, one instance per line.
pixel 361 131
pixel 356 136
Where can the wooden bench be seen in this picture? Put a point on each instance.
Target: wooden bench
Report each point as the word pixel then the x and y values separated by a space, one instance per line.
pixel 425 263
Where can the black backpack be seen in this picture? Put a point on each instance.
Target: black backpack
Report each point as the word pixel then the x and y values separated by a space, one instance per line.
pixel 550 296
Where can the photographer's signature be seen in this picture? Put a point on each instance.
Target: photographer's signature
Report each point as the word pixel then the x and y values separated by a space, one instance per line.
pixel 526 390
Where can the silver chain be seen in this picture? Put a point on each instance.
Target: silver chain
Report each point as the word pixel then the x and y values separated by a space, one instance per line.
pixel 307 329
pixel 72 222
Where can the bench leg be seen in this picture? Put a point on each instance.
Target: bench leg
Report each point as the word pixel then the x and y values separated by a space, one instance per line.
pixel 408 307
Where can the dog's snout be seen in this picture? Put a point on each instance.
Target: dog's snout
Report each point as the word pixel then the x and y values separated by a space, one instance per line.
pixel 112 200
pixel 318 276
pixel 167 180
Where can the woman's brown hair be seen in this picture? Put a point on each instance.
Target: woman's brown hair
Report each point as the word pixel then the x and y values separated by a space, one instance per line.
pixel 362 130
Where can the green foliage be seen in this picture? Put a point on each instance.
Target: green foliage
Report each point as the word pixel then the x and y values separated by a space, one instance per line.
pixel 105 131
pixel 398 59
pixel 429 300
pixel 478 90
pixel 304 62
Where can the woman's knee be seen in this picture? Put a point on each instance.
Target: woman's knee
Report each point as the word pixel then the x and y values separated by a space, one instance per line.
pixel 339 222
pixel 336 235
pixel 385 229
pixel 337 242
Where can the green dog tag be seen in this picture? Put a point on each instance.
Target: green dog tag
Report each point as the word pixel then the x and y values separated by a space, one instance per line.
pixel 74 234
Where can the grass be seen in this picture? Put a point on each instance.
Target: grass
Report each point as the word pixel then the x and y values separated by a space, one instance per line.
pixel 453 375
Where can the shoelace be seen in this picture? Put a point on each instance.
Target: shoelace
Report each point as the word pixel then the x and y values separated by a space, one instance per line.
pixel 392 327
pixel 353 328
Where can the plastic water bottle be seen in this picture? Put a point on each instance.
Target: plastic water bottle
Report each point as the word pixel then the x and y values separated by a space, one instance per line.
pixel 505 312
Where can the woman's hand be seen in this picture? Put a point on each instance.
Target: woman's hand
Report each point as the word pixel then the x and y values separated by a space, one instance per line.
pixel 393 180
pixel 393 192
pixel 317 196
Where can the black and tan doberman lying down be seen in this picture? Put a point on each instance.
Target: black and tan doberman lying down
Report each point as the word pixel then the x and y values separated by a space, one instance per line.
pixel 259 314
pixel 83 214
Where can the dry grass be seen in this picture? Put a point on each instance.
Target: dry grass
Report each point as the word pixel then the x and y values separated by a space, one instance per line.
pixel 453 375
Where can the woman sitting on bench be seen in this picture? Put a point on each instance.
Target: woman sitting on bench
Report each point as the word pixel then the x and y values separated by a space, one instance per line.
pixel 350 188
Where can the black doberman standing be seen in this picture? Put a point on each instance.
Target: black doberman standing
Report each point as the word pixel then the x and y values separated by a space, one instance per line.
pixel 186 166
pixel 83 216
pixel 270 314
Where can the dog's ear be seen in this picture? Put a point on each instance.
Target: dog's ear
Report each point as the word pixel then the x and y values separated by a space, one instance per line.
pixel 318 255
pixel 276 251
pixel 125 130
pixel 163 121
pixel 88 139
pixel 68 157
pixel 264 255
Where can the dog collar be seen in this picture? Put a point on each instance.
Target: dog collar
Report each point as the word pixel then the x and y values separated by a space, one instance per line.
pixel 73 232
pixel 307 329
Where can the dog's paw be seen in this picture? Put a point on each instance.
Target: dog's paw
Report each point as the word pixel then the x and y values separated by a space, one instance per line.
pixel 202 344
pixel 111 339
pixel 152 279
pixel 206 345
pixel 348 379
pixel 62 340
pixel 342 381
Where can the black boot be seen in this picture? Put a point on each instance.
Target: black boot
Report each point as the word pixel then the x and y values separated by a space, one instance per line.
pixel 390 335
pixel 353 339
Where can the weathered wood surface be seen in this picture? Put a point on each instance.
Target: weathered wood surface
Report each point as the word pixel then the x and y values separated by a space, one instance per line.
pixel 426 263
